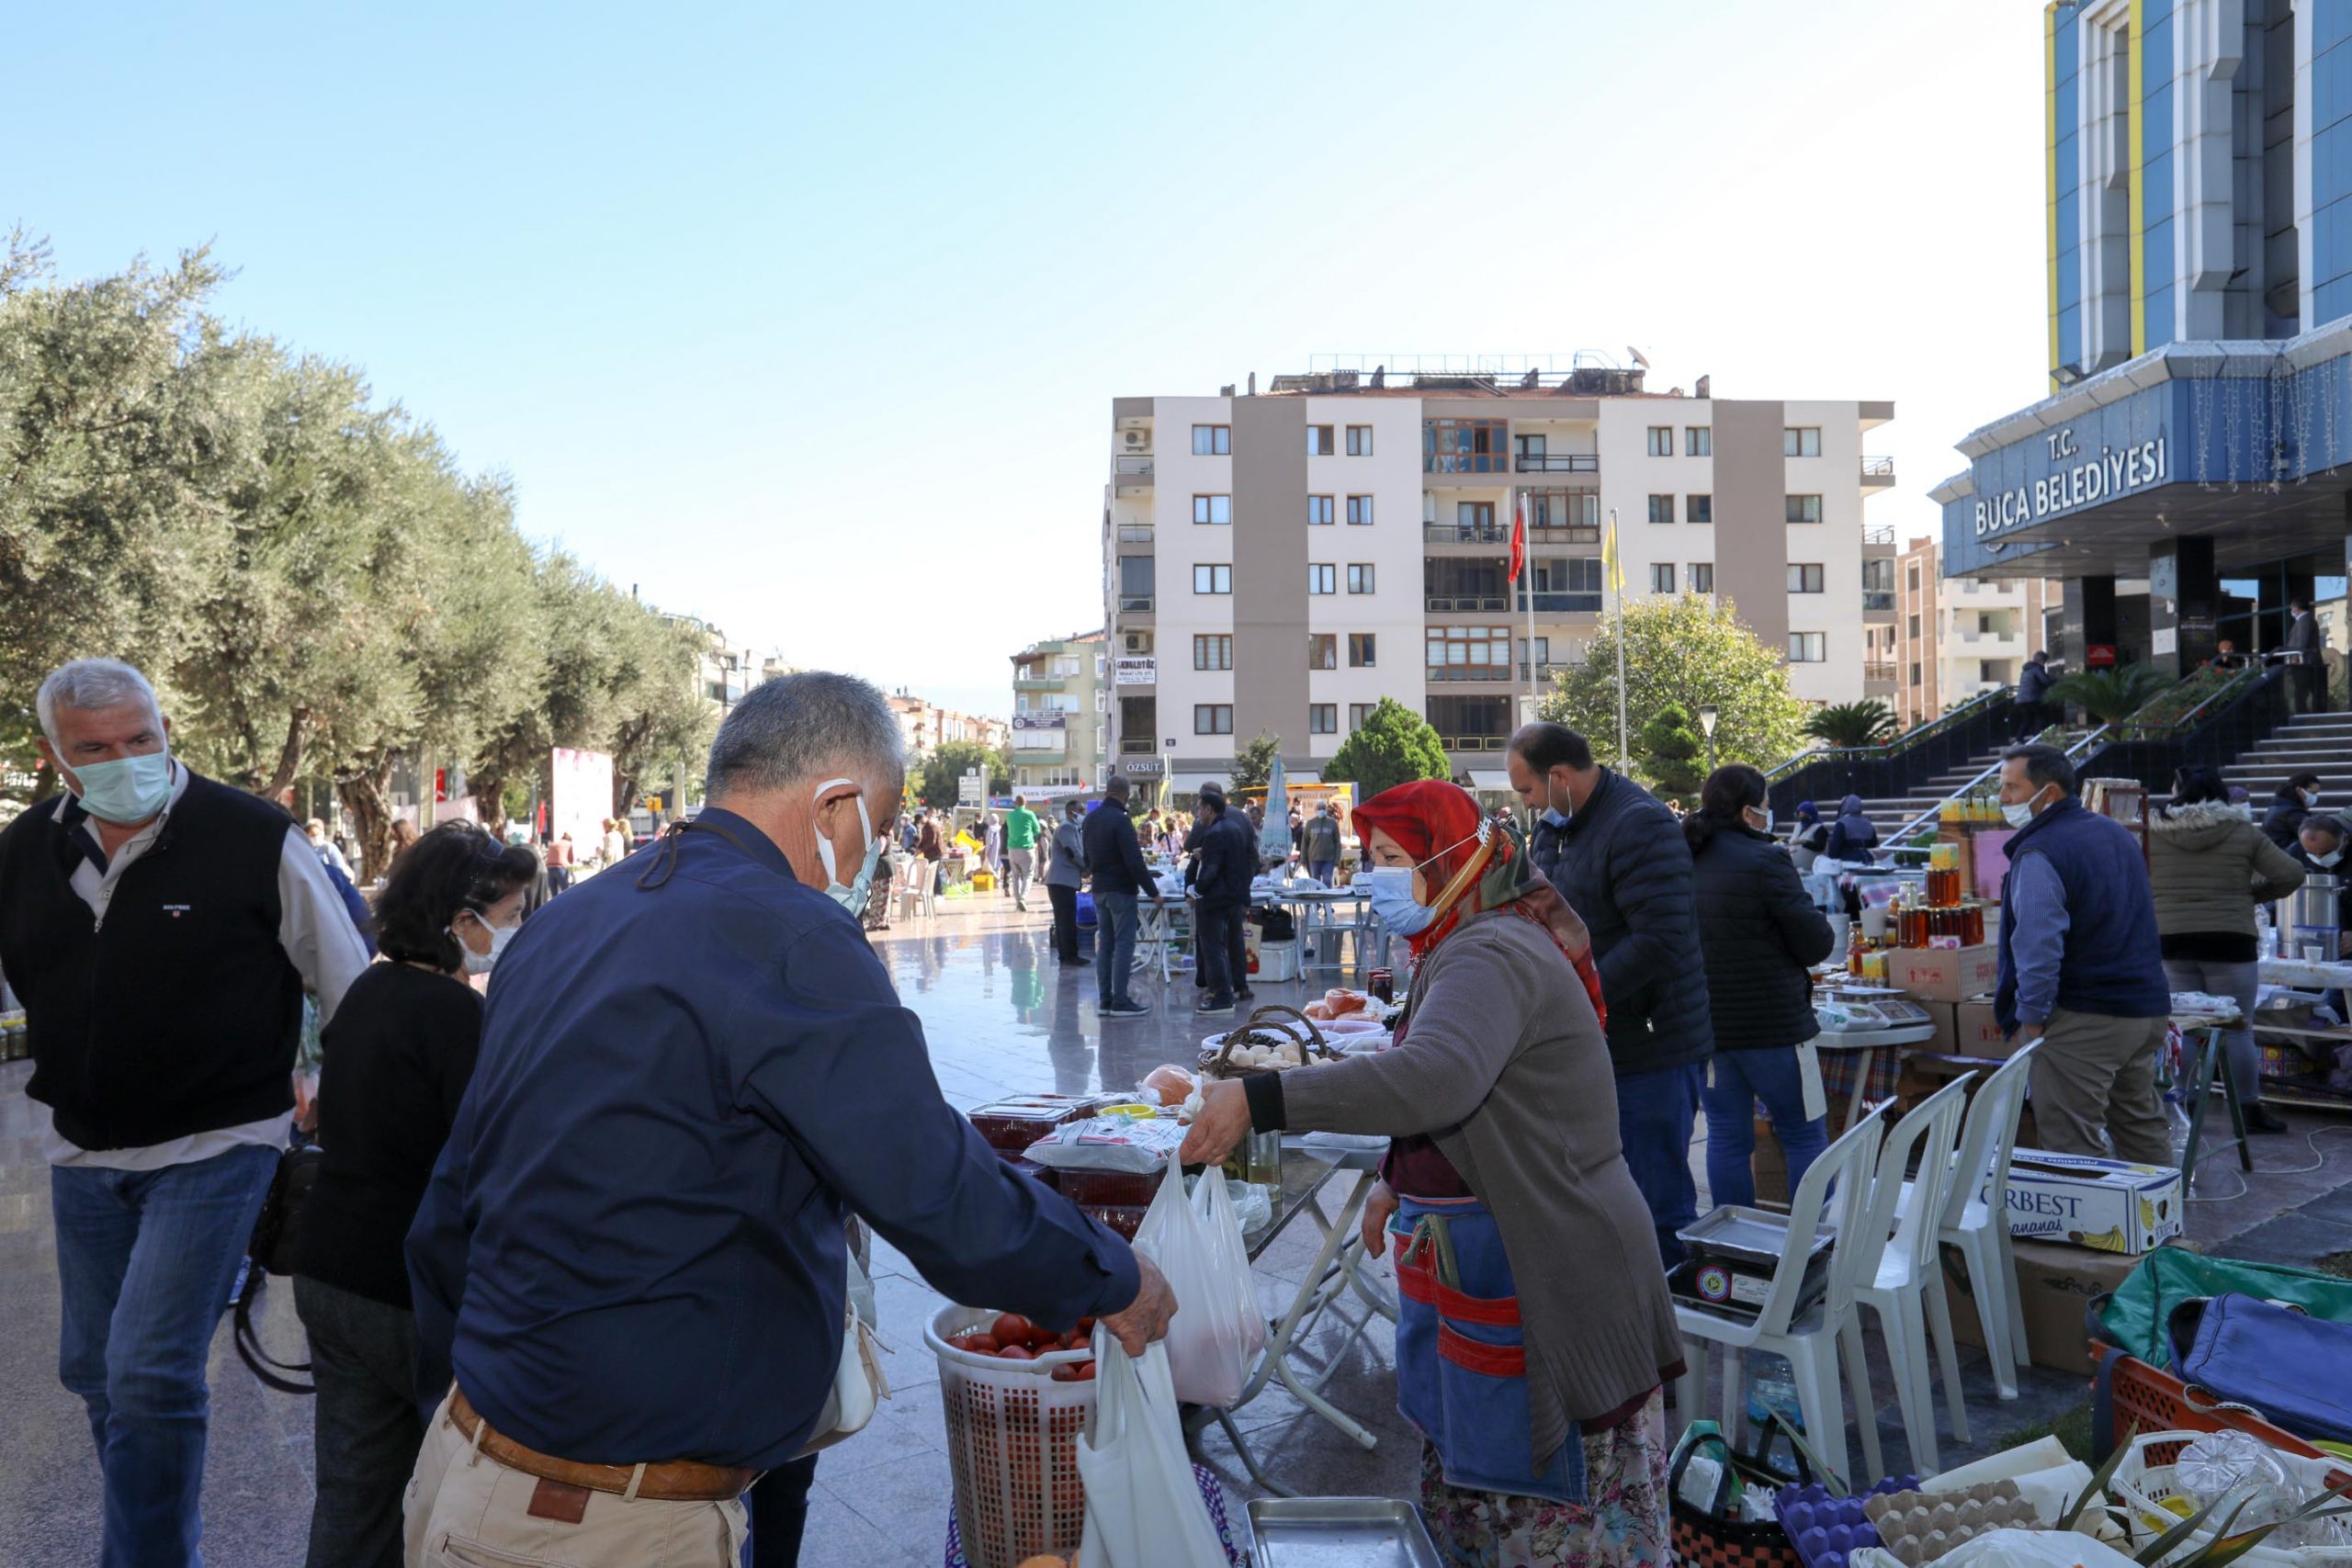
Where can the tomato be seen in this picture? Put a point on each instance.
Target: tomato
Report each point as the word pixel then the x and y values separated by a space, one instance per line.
pixel 1086 1326
pixel 1086 1371
pixel 978 1344
pixel 1015 1353
pixel 1043 1340
pixel 1066 1373
pixel 1012 1328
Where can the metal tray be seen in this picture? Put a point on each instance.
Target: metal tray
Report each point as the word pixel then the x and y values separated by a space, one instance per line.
pixel 1750 1235
pixel 1338 1532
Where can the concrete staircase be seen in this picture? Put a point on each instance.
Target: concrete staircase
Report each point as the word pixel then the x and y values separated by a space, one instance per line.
pixel 2320 742
pixel 1889 815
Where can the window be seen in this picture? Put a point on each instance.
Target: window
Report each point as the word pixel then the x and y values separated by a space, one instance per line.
pixel 1805 648
pixel 1542 650
pixel 1136 582
pixel 1357 714
pixel 1565 509
pixel 1661 509
pixel 1322 718
pixel 1584 575
pixel 1698 509
pixel 1915 671
pixel 1318 441
pixel 1915 625
pixel 1878 574
pixel 1662 577
pixel 1661 441
pixel 1212 440
pixel 1804 508
pixel 1212 653
pixel 1465 446
pixel 1216 719
pixel 1698 441
pixel 1470 653
pixel 1359 441
pixel 1913 575
pixel 1318 511
pixel 1358 577
pixel 1804 579
pixel 1360 511
pixel 1361 650
pixel 1212 580
pixel 1213 509
pixel 1801 441
pixel 1703 576
pixel 1992 671
pixel 1322 578
pixel 1322 650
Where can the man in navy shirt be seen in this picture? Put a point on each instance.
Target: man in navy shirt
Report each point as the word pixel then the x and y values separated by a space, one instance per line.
pixel 630 1260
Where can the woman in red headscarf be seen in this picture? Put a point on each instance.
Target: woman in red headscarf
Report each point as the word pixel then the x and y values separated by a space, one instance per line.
pixel 1534 1330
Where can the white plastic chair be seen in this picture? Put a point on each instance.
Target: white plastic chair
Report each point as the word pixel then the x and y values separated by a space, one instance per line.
pixel 1975 1217
pixel 1904 1283
pixel 1808 1341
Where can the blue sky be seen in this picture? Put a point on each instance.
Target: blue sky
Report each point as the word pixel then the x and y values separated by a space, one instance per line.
pixel 806 319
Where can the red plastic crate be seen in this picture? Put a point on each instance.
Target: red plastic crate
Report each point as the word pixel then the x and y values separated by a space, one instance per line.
pixel 2150 1399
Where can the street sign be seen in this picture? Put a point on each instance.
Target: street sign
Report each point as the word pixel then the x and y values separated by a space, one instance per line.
pixel 972 790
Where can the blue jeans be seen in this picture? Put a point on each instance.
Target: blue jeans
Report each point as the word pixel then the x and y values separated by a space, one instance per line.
pixel 1115 945
pixel 1325 871
pixel 1741 1079
pixel 1654 1114
pixel 145 1260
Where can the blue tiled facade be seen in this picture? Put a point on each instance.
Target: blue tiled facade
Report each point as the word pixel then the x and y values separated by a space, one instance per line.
pixel 2331 159
pixel 2156 314
pixel 2065 88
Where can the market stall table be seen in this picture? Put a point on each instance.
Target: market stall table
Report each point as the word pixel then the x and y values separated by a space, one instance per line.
pixel 1330 913
pixel 1869 1040
pixel 2208 1028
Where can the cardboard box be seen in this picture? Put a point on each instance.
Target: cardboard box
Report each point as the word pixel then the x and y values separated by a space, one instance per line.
pixel 1976 1033
pixel 2056 1287
pixel 2105 1204
pixel 1944 974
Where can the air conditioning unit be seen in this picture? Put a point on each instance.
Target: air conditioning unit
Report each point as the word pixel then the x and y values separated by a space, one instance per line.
pixel 1138 642
pixel 1132 439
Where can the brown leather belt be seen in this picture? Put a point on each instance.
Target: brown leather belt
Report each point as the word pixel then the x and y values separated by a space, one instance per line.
pixel 677 1481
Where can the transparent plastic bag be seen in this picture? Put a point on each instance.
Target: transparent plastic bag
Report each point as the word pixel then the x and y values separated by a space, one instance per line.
pixel 1218 1329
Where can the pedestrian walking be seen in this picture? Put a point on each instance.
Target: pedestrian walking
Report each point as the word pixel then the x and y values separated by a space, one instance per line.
pixel 1114 861
pixel 2080 966
pixel 1065 874
pixel 560 855
pixel 398 1056
pixel 2208 867
pixel 992 848
pixel 315 829
pixel 756 1049
pixel 931 850
pixel 1618 857
pixel 2307 640
pixel 160 930
pixel 1319 845
pixel 2031 708
pixel 1853 836
pixel 1760 934
pixel 1020 849
pixel 615 845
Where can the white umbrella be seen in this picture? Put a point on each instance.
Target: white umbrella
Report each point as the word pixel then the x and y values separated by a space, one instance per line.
pixel 1273 838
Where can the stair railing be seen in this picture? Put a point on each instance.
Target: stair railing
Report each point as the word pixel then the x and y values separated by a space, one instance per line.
pixel 1899 744
pixel 1935 813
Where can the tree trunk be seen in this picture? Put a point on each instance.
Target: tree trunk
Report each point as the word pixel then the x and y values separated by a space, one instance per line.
pixel 366 792
pixel 290 756
pixel 490 796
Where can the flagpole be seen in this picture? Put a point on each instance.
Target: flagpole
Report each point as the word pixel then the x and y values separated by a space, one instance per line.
pixel 1617 582
pixel 1528 570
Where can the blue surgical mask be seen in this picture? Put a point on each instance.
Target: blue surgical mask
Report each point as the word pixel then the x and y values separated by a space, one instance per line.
pixel 854 895
pixel 1392 899
pixel 126 790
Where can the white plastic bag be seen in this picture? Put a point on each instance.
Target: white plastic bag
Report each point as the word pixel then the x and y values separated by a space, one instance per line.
pixel 1215 1337
pixel 2034 1549
pixel 1143 1509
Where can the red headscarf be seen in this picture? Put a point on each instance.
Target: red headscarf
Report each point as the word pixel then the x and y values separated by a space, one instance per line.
pixel 1436 822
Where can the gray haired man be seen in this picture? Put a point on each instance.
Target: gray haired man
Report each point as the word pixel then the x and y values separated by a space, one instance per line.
pixel 161 929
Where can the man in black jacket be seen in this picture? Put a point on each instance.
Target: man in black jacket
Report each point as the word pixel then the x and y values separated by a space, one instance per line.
pixel 1114 861
pixel 2293 803
pixel 1617 855
pixel 2031 711
pixel 1222 868
pixel 2307 640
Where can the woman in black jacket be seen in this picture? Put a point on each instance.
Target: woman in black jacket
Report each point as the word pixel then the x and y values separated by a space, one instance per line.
pixel 1757 932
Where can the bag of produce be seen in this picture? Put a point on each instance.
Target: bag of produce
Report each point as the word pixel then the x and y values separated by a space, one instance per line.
pixel 1218 1329
pixel 1142 1507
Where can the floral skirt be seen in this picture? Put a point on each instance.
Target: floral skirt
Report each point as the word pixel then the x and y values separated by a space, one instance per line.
pixel 1622 1524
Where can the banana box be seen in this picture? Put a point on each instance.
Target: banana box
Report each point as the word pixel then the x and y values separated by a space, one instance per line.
pixel 2105 1204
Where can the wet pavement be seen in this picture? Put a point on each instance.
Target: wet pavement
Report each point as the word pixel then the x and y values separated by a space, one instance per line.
pixel 1002 1016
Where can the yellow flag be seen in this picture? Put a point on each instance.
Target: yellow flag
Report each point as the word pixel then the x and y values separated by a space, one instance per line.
pixel 1608 562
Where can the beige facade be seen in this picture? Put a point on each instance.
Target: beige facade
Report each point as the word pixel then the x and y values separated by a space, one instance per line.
pixel 1959 637
pixel 1061 714
pixel 924 725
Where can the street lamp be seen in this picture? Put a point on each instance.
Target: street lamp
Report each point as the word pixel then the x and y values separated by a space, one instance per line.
pixel 1707 723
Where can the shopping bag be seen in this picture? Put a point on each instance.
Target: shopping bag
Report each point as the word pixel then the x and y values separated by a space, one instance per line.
pixel 1142 1507
pixel 1210 1344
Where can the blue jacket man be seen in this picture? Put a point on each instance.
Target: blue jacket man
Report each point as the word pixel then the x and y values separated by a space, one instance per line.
pixel 2081 966
pixel 1114 860
pixel 1224 866
pixel 690 1074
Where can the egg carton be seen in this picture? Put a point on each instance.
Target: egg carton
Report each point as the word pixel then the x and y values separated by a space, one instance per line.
pixel 1917 1527
pixel 1827 1530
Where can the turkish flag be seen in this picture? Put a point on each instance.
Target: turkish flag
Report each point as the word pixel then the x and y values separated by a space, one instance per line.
pixel 1519 540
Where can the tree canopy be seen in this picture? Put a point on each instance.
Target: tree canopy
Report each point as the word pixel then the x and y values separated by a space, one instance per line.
pixel 1253 765
pixel 936 781
pixel 1394 745
pixel 1688 651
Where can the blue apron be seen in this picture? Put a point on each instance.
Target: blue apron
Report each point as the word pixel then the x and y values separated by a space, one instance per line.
pixel 1461 1357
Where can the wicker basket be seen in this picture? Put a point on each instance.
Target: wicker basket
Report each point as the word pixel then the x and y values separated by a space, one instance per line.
pixel 1219 1063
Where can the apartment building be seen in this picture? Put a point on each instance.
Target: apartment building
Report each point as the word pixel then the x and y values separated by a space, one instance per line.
pixel 1061 714
pixel 924 725
pixel 1278 563
pixel 1960 635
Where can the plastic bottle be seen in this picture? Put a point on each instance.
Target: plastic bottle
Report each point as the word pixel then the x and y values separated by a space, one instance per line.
pixel 1771 1386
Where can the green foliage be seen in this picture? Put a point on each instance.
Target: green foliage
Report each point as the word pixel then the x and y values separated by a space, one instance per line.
pixel 1673 753
pixel 1867 722
pixel 1689 651
pixel 2108 696
pixel 2170 705
pixel 952 758
pixel 1254 763
pixel 1394 745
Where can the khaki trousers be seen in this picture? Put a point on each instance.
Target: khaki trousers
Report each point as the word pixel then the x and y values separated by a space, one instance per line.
pixel 466 1510
pixel 2096 1072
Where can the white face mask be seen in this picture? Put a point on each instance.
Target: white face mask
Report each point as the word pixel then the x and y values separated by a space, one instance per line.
pixel 2328 859
pixel 2020 813
pixel 482 962
pixel 2310 797
pixel 853 896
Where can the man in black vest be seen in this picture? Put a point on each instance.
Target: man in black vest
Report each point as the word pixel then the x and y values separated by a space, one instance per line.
pixel 160 930
pixel 2082 968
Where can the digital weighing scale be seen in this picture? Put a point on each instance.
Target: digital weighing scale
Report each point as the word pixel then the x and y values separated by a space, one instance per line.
pixel 1851 1008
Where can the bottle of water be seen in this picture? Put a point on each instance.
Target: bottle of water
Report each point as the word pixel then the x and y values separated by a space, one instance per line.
pixel 1772 1387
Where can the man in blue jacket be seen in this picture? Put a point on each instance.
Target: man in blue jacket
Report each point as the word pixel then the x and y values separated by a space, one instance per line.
pixel 2082 968
pixel 630 1259
pixel 1114 861
pixel 1222 868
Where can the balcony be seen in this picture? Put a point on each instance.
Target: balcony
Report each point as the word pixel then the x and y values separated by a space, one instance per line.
pixel 1040 683
pixel 1878 539
pixel 1447 674
pixel 1135 604
pixel 1878 473
pixel 1466 604
pixel 1563 603
pixel 1878 600
pixel 1135 533
pixel 1558 463
pixel 1500 534
pixel 1545 670
pixel 1131 471
pixel 1475 742
pixel 1878 672
pixel 1497 463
